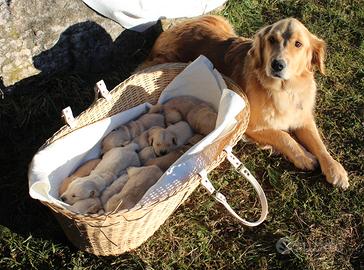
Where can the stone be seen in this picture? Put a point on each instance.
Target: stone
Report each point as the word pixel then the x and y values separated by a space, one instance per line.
pixel 50 36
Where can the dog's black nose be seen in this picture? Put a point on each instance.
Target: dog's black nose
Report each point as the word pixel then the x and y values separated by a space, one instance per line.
pixel 278 65
pixel 163 152
pixel 63 198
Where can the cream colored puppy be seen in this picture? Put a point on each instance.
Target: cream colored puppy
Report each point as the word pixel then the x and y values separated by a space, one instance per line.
pixel 86 206
pixel 110 167
pixel 199 114
pixel 140 180
pixel 84 170
pixel 126 133
pixel 165 140
pixel 161 140
pixel 144 139
pixel 114 188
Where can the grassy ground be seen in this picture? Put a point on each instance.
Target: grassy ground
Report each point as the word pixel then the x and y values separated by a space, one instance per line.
pixel 324 225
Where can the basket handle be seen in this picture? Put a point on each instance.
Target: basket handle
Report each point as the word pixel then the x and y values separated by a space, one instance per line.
pixel 222 199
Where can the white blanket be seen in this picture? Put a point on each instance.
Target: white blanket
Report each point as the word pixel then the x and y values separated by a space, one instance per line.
pixel 58 160
pixel 140 14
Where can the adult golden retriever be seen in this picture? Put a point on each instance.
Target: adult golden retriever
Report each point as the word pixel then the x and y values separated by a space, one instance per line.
pixel 275 69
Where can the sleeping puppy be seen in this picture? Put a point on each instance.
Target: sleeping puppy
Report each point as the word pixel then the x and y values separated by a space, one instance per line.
pixel 110 167
pixel 164 140
pixel 164 162
pixel 199 114
pixel 86 206
pixel 146 138
pixel 140 180
pixel 275 69
pixel 114 188
pixel 84 170
pixel 126 133
pixel 161 140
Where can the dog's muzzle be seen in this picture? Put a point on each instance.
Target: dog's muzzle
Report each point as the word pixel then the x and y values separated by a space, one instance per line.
pixel 278 67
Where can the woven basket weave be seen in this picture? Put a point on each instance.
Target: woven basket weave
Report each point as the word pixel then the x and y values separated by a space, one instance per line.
pixel 123 231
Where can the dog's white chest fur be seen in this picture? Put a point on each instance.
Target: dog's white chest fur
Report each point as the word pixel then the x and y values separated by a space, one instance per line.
pixel 288 109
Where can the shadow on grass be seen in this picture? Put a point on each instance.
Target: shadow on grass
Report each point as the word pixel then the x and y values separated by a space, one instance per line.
pixel 30 111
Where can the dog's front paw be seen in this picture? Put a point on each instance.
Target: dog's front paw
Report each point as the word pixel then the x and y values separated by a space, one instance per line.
pixel 305 161
pixel 335 173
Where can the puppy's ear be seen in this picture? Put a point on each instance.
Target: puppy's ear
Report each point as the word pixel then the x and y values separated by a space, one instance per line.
pixel 318 53
pixel 256 51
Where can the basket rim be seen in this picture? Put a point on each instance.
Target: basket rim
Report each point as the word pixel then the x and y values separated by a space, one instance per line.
pixel 142 208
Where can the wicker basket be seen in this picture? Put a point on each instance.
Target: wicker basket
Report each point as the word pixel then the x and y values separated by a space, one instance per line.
pixel 120 232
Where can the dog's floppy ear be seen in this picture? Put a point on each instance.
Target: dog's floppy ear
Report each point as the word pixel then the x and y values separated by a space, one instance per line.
pixel 318 53
pixel 256 52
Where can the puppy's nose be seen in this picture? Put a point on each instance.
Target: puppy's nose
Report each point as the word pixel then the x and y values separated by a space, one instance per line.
pixel 63 198
pixel 163 152
pixel 278 65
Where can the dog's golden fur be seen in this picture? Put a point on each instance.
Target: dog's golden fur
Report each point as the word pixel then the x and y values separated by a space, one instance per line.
pixel 282 98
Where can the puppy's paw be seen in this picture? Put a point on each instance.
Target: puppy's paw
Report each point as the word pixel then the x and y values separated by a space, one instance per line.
pixel 305 161
pixel 335 174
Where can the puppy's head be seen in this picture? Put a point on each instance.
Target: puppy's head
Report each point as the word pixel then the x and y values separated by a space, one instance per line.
pixel 287 49
pixel 80 189
pixel 163 141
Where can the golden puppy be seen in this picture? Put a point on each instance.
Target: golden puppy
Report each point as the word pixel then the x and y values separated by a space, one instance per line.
pixel 140 179
pixel 199 115
pixel 164 162
pixel 84 170
pixel 110 167
pixel 86 206
pixel 126 133
pixel 276 71
pixel 161 140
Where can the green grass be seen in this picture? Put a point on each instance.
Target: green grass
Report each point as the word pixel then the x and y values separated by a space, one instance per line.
pixel 324 224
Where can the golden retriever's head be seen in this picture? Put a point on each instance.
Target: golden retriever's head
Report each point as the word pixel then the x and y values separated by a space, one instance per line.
pixel 162 140
pixel 287 49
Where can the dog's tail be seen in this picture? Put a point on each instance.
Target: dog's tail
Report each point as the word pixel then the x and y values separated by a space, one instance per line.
pixel 156 108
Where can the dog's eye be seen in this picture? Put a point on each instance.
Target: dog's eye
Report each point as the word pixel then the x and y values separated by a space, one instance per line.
pixel 298 44
pixel 73 195
pixel 271 40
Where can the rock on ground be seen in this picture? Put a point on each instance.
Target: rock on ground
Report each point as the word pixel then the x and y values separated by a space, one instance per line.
pixel 47 36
